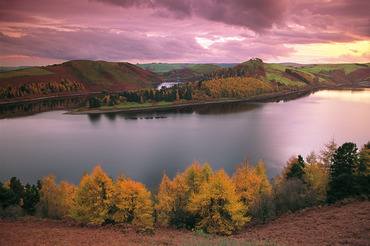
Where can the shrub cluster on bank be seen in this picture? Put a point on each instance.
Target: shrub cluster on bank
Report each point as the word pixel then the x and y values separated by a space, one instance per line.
pixel 198 198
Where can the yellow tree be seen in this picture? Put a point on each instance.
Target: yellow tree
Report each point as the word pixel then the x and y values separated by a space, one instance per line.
pixel 93 199
pixel 164 202
pixel 248 183
pixel 172 200
pixel 261 171
pixel 218 206
pixel 317 176
pixel 132 202
pixel 55 200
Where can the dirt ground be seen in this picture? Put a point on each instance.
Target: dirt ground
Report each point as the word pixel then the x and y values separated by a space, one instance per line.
pixel 339 224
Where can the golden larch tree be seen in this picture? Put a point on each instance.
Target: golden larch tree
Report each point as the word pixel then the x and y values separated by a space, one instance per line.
pixel 94 198
pixel 218 206
pixel 132 203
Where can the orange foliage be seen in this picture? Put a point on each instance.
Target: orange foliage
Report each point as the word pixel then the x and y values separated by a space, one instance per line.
pixel 218 205
pixel 40 88
pixel 133 203
pixel 250 183
pixel 55 200
pixel 235 87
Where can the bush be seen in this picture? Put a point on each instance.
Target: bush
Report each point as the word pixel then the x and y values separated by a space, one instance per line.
pixel 12 211
pixel 263 209
pixel 292 195
pixel 147 230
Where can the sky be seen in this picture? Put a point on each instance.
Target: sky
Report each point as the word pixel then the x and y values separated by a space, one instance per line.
pixel 44 32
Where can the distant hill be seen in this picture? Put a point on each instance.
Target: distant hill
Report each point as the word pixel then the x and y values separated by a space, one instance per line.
pixel 94 76
pixel 295 74
pixel 167 67
pixel 189 74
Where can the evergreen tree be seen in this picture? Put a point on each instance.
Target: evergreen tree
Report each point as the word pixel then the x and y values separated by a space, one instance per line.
pixel 344 169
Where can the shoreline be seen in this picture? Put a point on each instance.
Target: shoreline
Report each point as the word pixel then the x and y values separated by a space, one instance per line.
pixel 258 98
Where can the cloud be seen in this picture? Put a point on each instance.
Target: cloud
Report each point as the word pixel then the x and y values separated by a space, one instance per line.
pixel 178 30
pixel 256 15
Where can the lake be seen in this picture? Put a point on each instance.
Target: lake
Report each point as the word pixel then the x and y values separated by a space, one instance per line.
pixel 145 145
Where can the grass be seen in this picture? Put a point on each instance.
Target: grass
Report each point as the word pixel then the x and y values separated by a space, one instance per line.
pixel 34 71
pixel 348 68
pixel 275 72
pixel 204 68
pixel 222 241
pixel 134 105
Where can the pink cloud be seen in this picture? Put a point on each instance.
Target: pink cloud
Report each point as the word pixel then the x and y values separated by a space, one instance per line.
pixel 166 30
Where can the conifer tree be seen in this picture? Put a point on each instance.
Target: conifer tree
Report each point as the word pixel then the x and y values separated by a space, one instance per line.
pixel 218 206
pixel 93 199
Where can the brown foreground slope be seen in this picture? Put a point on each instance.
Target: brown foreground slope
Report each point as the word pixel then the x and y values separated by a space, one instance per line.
pixel 347 224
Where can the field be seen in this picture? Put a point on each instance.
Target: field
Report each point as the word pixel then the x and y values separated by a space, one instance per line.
pixel 338 224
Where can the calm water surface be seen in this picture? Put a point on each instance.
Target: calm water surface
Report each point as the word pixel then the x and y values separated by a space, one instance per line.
pixel 147 144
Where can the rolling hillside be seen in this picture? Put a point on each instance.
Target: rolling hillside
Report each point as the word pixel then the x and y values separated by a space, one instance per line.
pixel 330 74
pixel 91 76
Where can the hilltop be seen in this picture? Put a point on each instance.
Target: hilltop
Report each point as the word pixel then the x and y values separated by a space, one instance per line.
pixel 91 76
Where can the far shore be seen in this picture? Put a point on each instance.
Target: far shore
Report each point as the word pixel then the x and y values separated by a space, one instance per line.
pixel 271 97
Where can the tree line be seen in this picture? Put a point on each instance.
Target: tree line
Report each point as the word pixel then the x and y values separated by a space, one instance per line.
pixel 198 197
pixel 174 93
pixel 40 88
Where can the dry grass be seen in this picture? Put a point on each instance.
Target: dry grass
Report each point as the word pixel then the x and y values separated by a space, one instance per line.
pixel 340 224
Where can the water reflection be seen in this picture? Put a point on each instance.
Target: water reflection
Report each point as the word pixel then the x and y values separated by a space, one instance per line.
pixel 360 95
pixel 144 145
pixel 94 118
pixel 30 108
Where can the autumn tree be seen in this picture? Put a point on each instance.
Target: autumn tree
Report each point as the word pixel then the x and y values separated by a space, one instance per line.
pixel 55 200
pixel 252 185
pixel 172 200
pixel 249 183
pixel 316 177
pixel 218 206
pixel 173 196
pixel 93 199
pixel 132 203
pixel 164 206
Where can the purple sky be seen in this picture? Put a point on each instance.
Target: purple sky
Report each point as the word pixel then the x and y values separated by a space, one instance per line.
pixel 41 32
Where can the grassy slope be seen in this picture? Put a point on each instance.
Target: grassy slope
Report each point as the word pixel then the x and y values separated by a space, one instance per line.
pixel 346 224
pixel 204 68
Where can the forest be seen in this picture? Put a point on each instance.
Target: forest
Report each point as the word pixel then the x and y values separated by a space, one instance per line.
pixel 39 88
pixel 198 198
